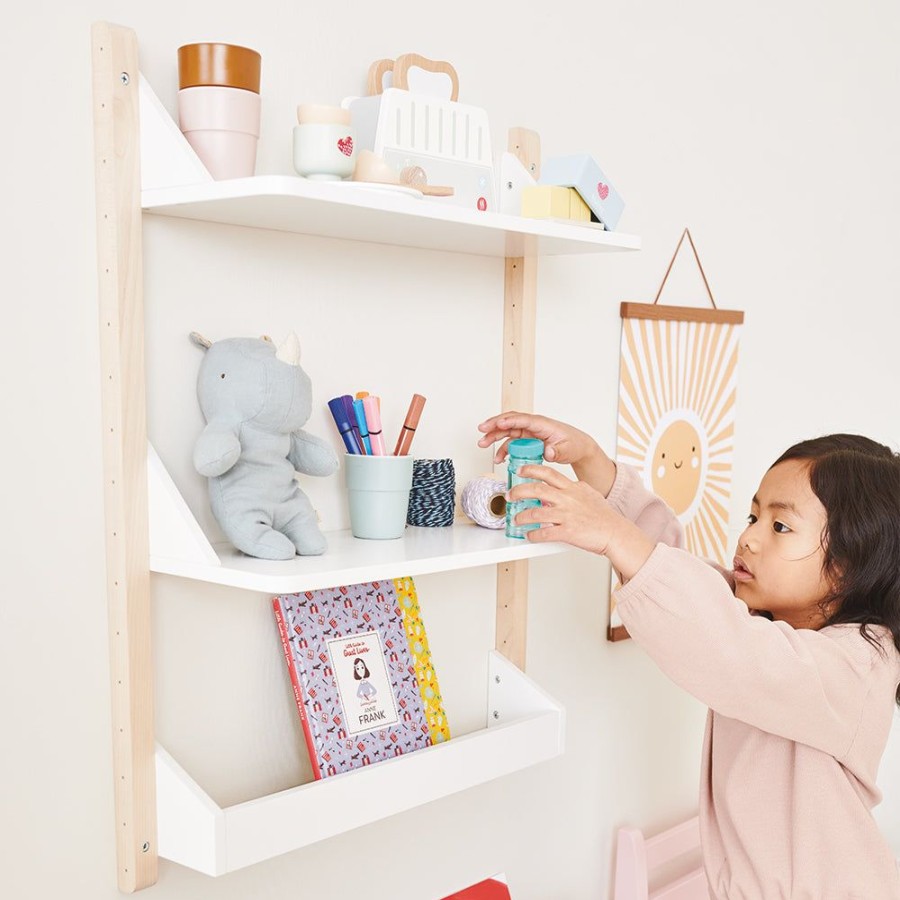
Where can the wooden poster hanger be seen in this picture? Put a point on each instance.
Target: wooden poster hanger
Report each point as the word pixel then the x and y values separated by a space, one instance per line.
pixel 657 310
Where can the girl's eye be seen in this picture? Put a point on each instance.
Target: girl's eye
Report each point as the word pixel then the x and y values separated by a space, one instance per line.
pixel 751 519
pixel 781 528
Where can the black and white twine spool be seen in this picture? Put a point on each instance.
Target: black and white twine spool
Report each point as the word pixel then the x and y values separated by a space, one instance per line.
pixel 433 495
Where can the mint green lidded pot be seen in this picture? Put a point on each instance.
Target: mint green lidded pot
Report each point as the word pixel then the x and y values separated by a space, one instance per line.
pixel 522 452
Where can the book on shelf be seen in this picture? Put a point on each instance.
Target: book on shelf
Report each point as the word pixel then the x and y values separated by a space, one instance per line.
pixel 494 888
pixel 362 673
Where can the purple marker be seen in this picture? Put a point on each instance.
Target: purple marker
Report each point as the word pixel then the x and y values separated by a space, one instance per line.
pixel 339 414
pixel 354 425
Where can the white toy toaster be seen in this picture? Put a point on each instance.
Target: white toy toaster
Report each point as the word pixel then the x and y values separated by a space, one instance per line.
pixel 451 141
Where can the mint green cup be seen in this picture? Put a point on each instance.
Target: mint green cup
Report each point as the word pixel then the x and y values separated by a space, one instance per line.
pixel 378 494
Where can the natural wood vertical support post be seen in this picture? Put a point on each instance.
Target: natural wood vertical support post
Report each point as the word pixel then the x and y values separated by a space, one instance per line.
pixel 520 301
pixel 118 189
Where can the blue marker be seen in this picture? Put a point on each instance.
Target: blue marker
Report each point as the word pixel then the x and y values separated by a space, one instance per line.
pixel 360 412
pixel 339 414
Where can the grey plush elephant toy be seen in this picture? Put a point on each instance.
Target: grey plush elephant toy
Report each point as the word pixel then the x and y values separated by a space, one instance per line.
pixel 255 398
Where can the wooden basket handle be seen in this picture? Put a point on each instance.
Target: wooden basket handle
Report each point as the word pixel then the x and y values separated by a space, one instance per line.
pixel 408 61
pixel 375 78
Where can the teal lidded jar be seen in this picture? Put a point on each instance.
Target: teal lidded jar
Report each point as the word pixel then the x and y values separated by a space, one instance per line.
pixel 522 452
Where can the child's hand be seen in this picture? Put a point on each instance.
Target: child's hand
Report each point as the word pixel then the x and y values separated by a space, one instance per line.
pixel 576 513
pixel 562 444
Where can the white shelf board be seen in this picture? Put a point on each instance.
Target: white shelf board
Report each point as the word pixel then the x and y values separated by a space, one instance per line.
pixel 529 728
pixel 351 560
pixel 289 203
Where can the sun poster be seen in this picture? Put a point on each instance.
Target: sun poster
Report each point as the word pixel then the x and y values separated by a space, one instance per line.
pixel 677 388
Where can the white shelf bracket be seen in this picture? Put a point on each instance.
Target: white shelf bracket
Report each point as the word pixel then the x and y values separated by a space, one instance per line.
pixel 513 696
pixel 191 826
pixel 513 178
pixel 174 532
pixel 167 159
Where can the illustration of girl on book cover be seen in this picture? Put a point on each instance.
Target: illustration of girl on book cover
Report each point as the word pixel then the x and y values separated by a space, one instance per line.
pixel 366 690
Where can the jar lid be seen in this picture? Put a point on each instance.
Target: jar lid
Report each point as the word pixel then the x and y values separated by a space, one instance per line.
pixel 308 113
pixel 526 448
pixel 218 65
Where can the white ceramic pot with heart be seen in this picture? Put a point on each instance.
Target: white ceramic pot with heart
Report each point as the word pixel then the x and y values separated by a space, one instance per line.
pixel 324 143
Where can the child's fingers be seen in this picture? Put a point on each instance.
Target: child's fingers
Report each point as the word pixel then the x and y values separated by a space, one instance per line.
pixel 533 490
pixel 543 534
pixel 508 419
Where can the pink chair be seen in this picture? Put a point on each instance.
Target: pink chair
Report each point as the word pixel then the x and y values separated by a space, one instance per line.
pixel 637 857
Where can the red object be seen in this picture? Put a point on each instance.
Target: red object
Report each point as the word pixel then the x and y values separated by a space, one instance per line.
pixel 603 190
pixel 345 145
pixel 482 206
pixel 489 889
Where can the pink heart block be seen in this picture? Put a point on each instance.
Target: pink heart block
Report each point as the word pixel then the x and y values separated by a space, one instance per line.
pixel 602 190
pixel 345 145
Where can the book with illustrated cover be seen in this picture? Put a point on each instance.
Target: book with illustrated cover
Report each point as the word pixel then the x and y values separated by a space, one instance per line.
pixel 354 674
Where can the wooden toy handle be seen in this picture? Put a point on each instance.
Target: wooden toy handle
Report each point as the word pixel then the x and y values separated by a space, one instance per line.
pixel 407 61
pixel 375 78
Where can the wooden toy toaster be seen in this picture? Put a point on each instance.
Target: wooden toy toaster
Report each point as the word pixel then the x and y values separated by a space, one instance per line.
pixel 418 126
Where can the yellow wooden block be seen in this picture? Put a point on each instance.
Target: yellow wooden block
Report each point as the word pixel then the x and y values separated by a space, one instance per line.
pixel 545 201
pixel 578 209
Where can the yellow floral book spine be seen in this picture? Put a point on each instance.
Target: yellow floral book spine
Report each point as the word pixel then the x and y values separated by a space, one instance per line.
pixel 429 688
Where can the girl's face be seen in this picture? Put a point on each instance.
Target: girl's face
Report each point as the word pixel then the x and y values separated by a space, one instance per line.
pixel 360 666
pixel 778 567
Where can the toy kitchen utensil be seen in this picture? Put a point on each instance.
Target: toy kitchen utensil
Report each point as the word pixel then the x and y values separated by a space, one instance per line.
pixel 580 171
pixel 372 169
pixel 418 121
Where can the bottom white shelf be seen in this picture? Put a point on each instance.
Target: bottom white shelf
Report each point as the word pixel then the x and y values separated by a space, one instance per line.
pixel 524 727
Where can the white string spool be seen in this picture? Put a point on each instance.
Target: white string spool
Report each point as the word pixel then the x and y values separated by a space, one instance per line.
pixel 484 501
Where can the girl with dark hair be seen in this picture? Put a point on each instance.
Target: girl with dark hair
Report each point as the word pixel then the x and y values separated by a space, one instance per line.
pixel 366 690
pixel 796 650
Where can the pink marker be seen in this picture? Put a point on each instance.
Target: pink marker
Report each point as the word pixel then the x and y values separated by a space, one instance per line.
pixel 373 420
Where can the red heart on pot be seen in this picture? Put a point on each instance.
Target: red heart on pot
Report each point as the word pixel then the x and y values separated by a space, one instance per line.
pixel 345 145
pixel 602 190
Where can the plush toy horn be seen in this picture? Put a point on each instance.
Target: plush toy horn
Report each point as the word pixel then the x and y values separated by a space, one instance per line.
pixel 289 350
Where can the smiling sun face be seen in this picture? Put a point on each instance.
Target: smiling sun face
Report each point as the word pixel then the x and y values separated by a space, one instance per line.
pixel 677 465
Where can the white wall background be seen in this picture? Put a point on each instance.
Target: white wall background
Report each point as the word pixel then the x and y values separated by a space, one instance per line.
pixel 769 128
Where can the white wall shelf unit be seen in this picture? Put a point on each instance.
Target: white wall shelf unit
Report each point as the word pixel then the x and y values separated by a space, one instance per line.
pixel 160 809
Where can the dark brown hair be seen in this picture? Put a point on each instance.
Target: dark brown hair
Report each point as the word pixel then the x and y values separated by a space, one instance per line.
pixel 858 482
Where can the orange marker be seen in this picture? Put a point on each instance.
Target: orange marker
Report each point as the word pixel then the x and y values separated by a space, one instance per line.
pixel 410 425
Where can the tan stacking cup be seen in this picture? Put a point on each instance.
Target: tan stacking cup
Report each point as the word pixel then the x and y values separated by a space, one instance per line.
pixel 218 65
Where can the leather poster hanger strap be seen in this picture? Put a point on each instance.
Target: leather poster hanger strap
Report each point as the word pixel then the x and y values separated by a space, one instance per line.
pixel 699 266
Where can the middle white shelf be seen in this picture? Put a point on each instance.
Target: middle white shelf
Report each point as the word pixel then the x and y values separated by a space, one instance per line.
pixel 350 560
pixel 179 547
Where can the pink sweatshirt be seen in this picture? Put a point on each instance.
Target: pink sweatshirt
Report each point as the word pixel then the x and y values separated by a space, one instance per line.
pixel 798 721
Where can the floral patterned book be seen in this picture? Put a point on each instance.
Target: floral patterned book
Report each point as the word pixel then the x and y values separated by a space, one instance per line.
pixel 361 672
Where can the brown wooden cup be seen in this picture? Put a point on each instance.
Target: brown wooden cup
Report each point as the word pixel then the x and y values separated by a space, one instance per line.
pixel 218 65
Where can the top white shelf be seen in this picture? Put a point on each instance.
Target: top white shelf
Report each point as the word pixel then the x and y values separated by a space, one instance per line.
pixel 344 210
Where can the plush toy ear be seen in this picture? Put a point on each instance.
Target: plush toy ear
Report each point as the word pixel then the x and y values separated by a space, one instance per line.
pixel 289 350
pixel 201 341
